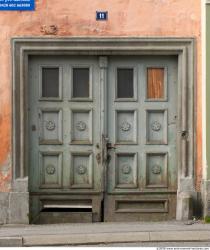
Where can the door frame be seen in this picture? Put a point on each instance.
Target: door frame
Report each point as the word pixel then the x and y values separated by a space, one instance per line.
pixel 183 48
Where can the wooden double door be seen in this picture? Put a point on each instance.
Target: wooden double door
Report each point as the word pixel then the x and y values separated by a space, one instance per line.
pixel 102 138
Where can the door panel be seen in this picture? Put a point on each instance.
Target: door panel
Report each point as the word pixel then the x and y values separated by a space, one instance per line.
pixel 75 167
pixel 64 123
pixel 142 172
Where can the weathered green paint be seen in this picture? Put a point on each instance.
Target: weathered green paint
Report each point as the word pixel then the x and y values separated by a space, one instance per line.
pixel 208 89
pixel 65 140
pixel 63 137
pixel 142 171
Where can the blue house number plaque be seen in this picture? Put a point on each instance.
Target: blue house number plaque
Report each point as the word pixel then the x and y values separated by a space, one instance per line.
pixel 17 5
pixel 101 15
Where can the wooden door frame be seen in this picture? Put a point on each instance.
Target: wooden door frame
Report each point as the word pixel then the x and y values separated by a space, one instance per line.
pixel 183 48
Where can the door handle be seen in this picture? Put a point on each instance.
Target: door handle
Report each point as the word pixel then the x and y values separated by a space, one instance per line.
pixel 110 146
pixel 98 158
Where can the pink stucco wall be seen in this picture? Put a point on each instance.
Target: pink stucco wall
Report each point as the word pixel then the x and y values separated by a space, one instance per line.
pixel 172 18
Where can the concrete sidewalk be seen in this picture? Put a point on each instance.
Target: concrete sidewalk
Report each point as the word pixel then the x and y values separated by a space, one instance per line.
pixel 97 233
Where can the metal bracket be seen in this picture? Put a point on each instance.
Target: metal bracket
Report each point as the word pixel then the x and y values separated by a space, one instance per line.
pixel 184 135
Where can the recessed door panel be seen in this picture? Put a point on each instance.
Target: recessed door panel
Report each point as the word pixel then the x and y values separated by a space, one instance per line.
pixel 50 126
pixel 156 126
pixel 125 127
pixel 126 170
pixel 81 126
pixel 81 170
pixel 50 164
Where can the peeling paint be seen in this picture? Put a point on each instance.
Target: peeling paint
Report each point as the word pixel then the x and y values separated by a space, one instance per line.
pixel 5 175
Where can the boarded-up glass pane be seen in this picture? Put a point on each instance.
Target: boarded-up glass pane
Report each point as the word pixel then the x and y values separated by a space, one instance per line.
pixel 50 82
pixel 81 82
pixel 125 83
pixel 155 83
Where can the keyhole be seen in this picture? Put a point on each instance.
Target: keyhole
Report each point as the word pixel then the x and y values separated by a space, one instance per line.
pixel 33 127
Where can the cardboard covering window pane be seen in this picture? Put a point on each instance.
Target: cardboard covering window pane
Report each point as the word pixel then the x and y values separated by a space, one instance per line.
pixel 155 83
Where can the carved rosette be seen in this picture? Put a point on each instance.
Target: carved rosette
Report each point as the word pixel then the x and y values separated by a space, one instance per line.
pixel 81 170
pixel 81 126
pixel 50 125
pixel 156 126
pixel 50 169
pixel 125 126
pixel 126 169
pixel 156 169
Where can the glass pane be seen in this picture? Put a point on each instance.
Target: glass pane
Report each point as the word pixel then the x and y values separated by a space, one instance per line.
pixel 155 83
pixel 50 82
pixel 124 83
pixel 81 82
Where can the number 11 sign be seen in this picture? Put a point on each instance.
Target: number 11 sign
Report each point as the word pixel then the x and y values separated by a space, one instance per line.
pixel 101 15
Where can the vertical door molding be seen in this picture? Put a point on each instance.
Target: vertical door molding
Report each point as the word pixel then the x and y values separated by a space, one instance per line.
pixel 186 194
pixel 103 64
